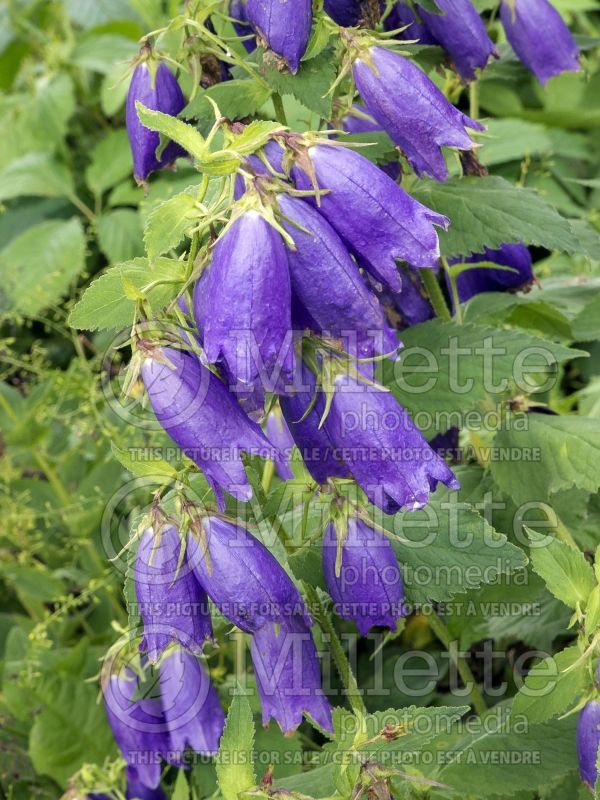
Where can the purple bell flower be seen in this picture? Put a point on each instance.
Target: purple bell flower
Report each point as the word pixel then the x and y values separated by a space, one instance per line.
pixel 401 15
pixel 288 676
pixel 163 95
pixel 191 705
pixel 446 443
pixel 278 434
pixel 139 728
pixel 411 303
pixel 136 790
pixel 313 442
pixel 237 10
pixel 386 453
pixel 201 416
pixel 368 590
pixel 244 580
pixel 414 112
pixel 539 37
pixel 372 214
pixel 476 281
pixel 344 12
pixel 284 25
pixel 588 741
pixel 327 283
pixel 461 32
pixel 247 290
pixel 172 604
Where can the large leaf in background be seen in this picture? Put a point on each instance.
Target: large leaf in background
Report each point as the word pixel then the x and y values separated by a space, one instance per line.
pixel 110 163
pixel 120 235
pixel 563 568
pixel 561 452
pixel 486 212
pixel 235 771
pixel 105 303
pixel 37 174
pixel 549 689
pixel 310 85
pixel 447 369
pixel 235 99
pixel 41 264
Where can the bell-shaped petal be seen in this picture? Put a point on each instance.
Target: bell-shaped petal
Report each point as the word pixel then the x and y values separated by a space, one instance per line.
pixel 137 790
pixel 249 297
pixel 386 453
pixel 410 305
pixel 313 442
pixel 237 10
pixel 279 434
pixel 539 37
pixel 244 579
pixel 486 279
pixel 191 706
pixel 160 92
pixel 372 214
pixel 284 26
pixel 401 15
pixel 368 589
pixel 328 284
pixel 358 120
pixel 288 676
pixel 138 726
pixel 414 112
pixel 344 12
pixel 461 32
pixel 172 604
pixel 203 418
pixel 588 742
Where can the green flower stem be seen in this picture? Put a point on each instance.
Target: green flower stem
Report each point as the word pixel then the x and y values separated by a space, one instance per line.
pixel 279 109
pixel 443 634
pixel 454 291
pixel 474 99
pixel 435 293
pixel 341 661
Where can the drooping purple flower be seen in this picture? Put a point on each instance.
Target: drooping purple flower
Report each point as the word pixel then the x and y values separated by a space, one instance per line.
pixel 278 434
pixel 414 112
pixel 327 283
pixel 358 120
pixel 202 417
pixel 244 580
pixel 446 443
pixel 172 604
pixel 137 790
pixel 248 293
pixel 138 726
pixel 161 93
pixel 344 12
pixel 386 453
pixel 237 10
pixel 410 305
pixel 401 15
pixel 284 25
pixel 539 37
pixel 368 589
pixel 486 279
pixel 313 442
pixel 375 216
pixel 191 706
pixel 461 32
pixel 588 741
pixel 288 676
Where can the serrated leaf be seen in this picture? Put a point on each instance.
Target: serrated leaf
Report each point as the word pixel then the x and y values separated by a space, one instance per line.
pixel 311 83
pixel 40 264
pixel 562 452
pixel 35 174
pixel 564 569
pixel 169 222
pixel 172 128
pixel 548 689
pixel 254 135
pixel 111 162
pixel 235 770
pixel 487 212
pixel 120 235
pixel 104 304
pixel 157 468
pixel 235 99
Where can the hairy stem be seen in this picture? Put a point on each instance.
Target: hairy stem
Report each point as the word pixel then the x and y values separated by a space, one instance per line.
pixel 435 293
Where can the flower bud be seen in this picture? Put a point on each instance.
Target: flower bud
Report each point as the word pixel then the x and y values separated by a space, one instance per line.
pixel 278 434
pixel 588 741
pixel 284 25
pixel 485 279
pixel 368 588
pixel 158 92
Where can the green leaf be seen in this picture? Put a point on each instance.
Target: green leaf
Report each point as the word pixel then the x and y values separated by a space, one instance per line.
pixel 40 264
pixel 512 140
pixel 105 305
pixel 100 53
pixel 311 83
pixel 254 135
pixel 120 235
pixel 564 569
pixel 36 174
pixel 561 452
pixel 486 212
pixel 181 790
pixel 169 222
pixel 446 370
pixel 176 129
pixel 111 162
pixel 548 690
pixel 235 99
pixel 157 468
pixel 235 770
